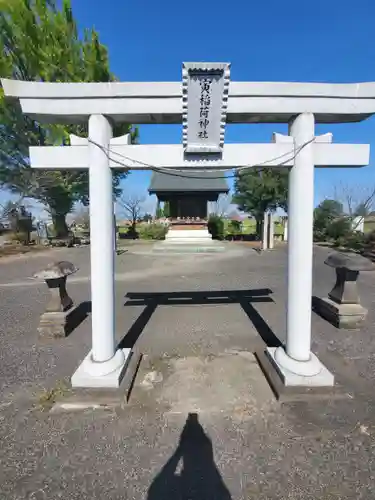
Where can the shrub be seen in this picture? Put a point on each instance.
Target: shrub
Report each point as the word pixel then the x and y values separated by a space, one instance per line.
pixel 15 237
pixel 153 231
pixel 21 223
pixel 319 235
pixel 326 213
pixel 234 227
pixel 355 240
pixel 216 227
pixel 370 237
pixel 339 242
pixel 339 228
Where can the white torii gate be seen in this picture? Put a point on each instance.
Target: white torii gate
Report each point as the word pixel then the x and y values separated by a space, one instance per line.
pixel 102 104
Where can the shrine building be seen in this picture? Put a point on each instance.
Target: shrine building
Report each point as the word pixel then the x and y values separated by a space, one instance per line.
pixel 188 193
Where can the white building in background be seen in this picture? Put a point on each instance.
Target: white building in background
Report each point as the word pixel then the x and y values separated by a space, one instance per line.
pixel 358 224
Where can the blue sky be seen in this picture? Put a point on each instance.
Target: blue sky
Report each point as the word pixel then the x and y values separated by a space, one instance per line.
pixel 266 40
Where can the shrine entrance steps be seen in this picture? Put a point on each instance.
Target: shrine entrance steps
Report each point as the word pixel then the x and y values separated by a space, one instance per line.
pixel 188 241
pixel 208 246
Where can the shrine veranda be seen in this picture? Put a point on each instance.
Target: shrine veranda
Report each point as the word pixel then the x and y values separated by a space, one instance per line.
pixel 204 102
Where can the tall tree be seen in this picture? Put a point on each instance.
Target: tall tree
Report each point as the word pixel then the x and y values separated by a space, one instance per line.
pixel 257 191
pixel 324 214
pixel 357 200
pixel 132 207
pixel 40 42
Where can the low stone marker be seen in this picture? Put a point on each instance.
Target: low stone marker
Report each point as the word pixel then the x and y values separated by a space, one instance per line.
pixel 54 320
pixel 342 307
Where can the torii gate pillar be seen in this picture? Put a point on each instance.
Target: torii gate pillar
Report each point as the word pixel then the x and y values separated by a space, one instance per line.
pixel 105 365
pixel 300 247
pixel 296 364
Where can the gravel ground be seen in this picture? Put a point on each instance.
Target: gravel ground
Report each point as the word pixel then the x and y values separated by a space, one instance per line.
pixel 305 450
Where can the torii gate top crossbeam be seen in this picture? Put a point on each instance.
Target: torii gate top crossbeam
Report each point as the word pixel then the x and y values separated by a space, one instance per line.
pixel 161 102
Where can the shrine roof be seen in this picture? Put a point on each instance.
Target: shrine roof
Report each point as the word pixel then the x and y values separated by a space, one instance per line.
pixel 188 181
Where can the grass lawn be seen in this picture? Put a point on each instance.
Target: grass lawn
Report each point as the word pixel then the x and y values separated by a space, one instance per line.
pixel 7 250
pixel 249 226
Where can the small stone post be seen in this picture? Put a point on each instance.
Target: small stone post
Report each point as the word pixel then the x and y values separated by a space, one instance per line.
pixel 265 232
pixel 54 320
pixel 285 220
pixel 270 231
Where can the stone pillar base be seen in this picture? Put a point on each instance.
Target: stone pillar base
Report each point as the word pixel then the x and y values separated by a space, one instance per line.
pixel 108 374
pixel 291 386
pixel 289 378
pixel 346 316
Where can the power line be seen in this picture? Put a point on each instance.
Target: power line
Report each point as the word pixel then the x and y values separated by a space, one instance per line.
pixel 178 173
pixel 195 168
pixel 169 170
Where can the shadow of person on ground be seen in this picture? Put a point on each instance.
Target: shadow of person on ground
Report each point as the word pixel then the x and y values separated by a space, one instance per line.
pixel 198 477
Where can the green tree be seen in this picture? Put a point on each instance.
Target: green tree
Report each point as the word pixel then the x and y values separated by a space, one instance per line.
pixel 166 210
pixel 259 191
pixel 324 215
pixel 20 221
pixel 339 228
pixel 147 217
pixel 162 211
pixel 159 211
pixel 216 227
pixel 40 42
pixel 8 207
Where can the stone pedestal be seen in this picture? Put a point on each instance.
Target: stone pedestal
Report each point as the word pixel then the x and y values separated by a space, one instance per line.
pixel 59 298
pixel 342 307
pixel 347 316
pixel 53 325
pixel 54 321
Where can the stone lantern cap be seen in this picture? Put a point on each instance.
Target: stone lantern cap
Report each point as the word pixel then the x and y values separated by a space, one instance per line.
pixel 56 270
pixel 352 262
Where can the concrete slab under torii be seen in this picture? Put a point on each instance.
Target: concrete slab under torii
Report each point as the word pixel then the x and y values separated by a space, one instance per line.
pixel 301 105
